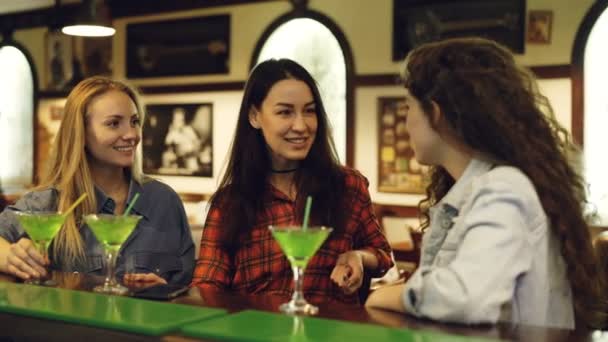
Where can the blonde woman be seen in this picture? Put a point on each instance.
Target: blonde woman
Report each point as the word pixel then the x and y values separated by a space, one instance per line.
pixel 95 153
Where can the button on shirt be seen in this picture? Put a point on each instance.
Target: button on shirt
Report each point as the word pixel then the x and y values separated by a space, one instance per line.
pixel 259 265
pixel 161 243
pixel 489 255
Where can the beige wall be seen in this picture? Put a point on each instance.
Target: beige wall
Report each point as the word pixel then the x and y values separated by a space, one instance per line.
pixel 367 26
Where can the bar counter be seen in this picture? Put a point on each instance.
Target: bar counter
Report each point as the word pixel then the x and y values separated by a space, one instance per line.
pixel 20 327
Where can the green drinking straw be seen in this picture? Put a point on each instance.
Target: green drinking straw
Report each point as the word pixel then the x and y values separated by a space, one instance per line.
pixel 80 199
pixel 307 212
pixel 133 200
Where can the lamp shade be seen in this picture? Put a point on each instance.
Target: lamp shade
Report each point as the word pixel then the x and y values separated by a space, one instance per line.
pixel 92 21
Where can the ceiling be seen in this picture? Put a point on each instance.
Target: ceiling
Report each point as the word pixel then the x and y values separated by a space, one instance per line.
pixel 13 6
pixel 18 14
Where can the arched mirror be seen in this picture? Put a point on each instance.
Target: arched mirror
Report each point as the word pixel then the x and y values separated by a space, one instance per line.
pixel 17 89
pixel 318 45
pixel 591 102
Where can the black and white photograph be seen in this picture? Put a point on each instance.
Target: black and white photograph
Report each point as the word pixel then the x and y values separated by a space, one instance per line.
pixel 178 140
pixel 201 47
pixel 58 60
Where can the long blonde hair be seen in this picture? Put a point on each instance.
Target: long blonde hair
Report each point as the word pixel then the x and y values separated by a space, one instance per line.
pixel 67 168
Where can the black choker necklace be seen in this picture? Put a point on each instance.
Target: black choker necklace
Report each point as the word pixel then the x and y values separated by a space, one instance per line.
pixel 284 171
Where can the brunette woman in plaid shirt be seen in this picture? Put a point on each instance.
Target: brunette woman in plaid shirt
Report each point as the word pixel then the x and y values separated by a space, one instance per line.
pixel 283 152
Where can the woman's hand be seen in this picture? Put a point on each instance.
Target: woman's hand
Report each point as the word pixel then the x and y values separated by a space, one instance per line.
pixel 142 280
pixel 348 272
pixel 24 261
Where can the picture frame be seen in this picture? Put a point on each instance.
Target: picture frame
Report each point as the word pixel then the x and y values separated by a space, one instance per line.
pixel 421 21
pixel 94 56
pixel 201 47
pixel 540 24
pixel 58 61
pixel 398 170
pixel 47 121
pixel 177 139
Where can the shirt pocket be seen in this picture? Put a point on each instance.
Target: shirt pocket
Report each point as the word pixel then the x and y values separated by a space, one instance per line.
pixel 151 239
pixel 94 264
pixel 451 244
pixel 162 264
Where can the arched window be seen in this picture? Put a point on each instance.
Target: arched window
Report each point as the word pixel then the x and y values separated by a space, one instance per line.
pixel 17 89
pixel 319 46
pixel 591 99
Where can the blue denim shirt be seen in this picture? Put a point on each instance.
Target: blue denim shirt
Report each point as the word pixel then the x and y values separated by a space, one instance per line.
pixel 161 243
pixel 489 255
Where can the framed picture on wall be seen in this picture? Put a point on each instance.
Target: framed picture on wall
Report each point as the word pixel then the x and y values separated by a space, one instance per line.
pixel 421 21
pixel 48 119
pixel 539 27
pixel 94 56
pixel 58 59
pixel 201 47
pixel 398 170
pixel 177 139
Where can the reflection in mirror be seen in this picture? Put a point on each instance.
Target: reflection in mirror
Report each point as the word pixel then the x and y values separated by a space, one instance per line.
pixel 312 44
pixel 16 120
pixel 596 118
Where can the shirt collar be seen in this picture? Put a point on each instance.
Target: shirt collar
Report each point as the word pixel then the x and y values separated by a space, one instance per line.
pixel 458 193
pixel 276 194
pixel 107 205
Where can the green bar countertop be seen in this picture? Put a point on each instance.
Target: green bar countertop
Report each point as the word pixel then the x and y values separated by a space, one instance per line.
pixel 98 310
pixel 251 325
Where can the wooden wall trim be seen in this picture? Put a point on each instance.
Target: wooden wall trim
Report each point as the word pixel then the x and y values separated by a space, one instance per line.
pixel 193 88
pixel 375 80
pixel 552 71
pixel 382 210
pixel 540 71
pixel 122 8
pixel 366 80
pixel 192 197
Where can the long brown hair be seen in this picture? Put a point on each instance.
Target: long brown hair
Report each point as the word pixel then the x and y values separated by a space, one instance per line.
pixel 495 107
pixel 245 180
pixel 67 168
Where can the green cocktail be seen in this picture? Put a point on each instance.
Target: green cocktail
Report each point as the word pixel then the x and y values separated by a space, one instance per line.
pixel 41 227
pixel 111 231
pixel 299 245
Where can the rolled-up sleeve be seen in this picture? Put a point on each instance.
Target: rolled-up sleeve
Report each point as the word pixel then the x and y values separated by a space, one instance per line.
pixel 482 275
pixel 213 267
pixel 10 229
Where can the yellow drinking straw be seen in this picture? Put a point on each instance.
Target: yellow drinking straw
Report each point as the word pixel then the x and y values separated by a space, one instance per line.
pixel 307 212
pixel 133 200
pixel 80 199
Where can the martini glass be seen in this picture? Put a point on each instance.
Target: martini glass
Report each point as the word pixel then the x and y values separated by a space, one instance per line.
pixel 299 245
pixel 111 231
pixel 41 227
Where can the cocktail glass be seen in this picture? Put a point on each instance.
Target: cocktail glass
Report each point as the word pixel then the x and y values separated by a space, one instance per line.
pixel 299 245
pixel 41 227
pixel 111 231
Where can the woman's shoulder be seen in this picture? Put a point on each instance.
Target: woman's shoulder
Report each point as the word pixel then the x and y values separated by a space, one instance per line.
pixel 353 177
pixel 509 182
pixel 154 188
pixel 38 200
pixel 509 176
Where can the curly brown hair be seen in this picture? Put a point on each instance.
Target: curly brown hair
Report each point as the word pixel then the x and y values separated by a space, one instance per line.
pixel 494 106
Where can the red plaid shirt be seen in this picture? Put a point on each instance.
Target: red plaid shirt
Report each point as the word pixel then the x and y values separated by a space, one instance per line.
pixel 259 265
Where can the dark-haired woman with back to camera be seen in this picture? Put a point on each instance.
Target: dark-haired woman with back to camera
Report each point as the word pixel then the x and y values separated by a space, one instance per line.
pixel 505 236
